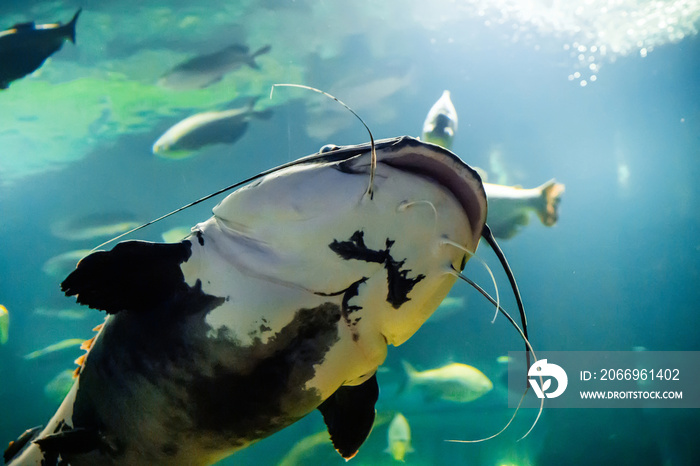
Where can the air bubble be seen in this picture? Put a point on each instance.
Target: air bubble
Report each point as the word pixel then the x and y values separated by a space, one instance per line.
pixel 583 83
pixel 643 53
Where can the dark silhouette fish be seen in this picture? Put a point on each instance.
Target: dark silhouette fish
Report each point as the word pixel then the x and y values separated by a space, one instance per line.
pixel 25 46
pixel 204 70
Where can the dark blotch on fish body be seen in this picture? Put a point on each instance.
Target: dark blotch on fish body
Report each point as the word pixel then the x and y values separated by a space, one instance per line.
pixel 25 46
pixel 399 285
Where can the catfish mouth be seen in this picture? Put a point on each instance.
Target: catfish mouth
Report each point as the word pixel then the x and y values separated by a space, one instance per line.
pixel 444 168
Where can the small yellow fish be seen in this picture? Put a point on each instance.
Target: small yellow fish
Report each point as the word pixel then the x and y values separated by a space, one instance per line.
pixel 510 206
pixel 440 125
pixel 503 359
pixel 456 382
pixel 70 342
pixel 399 438
pixel 4 324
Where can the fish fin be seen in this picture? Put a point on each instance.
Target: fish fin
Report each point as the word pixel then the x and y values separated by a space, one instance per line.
pixel 72 441
pixel 261 51
pixel 550 198
pixel 349 415
pixel 212 81
pixel 263 114
pixel 408 380
pixel 509 229
pixel 70 27
pixel 16 446
pixel 134 275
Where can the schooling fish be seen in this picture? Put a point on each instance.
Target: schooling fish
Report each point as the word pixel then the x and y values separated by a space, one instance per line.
pixel 64 263
pixel 510 206
pixel 203 129
pixel 91 226
pixel 440 125
pixel 25 46
pixel 4 325
pixel 204 70
pixel 399 438
pixel 281 303
pixel 454 382
pixel 61 345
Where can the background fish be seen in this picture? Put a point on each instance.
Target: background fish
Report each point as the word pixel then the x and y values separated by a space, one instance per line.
pixel 61 345
pixel 510 206
pixel 454 382
pixel 58 387
pixel 206 128
pixel 176 234
pixel 4 324
pixel 205 70
pixel 62 264
pixel 440 125
pixel 399 438
pixel 25 46
pixel 76 313
pixel 93 226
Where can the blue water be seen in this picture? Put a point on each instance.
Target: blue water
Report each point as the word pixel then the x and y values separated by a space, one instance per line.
pixel 619 270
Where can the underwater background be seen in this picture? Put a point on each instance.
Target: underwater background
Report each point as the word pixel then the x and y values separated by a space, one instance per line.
pixel 604 96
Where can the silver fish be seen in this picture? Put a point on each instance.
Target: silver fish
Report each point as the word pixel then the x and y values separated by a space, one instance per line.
pixel 440 125
pixel 204 70
pixel 186 137
pixel 510 206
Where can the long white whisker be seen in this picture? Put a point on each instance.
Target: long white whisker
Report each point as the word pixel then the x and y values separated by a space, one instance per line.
pixel 408 204
pixel 500 431
pixel 527 344
pixel 373 152
pixel 488 269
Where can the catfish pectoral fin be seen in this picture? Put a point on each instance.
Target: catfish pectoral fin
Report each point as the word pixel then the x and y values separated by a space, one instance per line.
pixel 349 414
pixel 134 275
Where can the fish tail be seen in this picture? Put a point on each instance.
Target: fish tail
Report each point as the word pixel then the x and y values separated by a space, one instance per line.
pixel 263 114
pixel 550 198
pixel 70 27
pixel 261 51
pixel 410 376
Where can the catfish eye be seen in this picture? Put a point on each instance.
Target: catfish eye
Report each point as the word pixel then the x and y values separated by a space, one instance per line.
pixel 328 148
